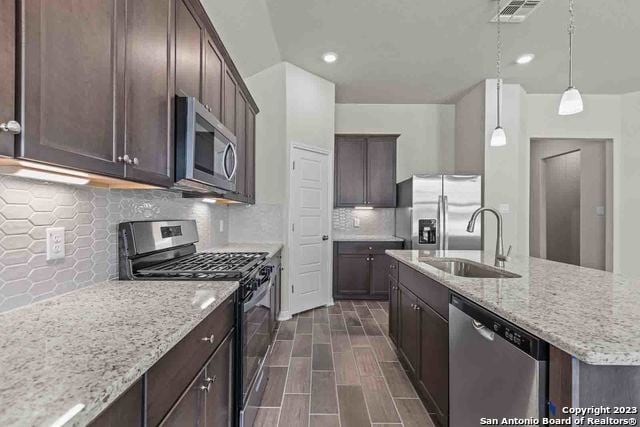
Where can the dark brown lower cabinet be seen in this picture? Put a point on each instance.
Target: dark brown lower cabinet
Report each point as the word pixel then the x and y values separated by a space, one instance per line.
pixel 361 269
pixel 421 335
pixel 434 361
pixel 353 276
pixel 394 289
pixel 409 345
pixel 208 400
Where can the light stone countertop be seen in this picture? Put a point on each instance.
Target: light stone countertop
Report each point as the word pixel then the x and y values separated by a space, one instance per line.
pixel 365 238
pixel 591 314
pixel 271 248
pixel 88 346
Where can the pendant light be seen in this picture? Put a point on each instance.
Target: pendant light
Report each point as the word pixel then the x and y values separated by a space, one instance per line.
pixel 499 138
pixel 571 102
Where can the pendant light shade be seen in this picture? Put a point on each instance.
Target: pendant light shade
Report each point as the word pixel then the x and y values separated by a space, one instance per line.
pixel 571 102
pixel 499 137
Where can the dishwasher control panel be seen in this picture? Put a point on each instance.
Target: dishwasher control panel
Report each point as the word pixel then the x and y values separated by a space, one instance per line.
pixel 516 336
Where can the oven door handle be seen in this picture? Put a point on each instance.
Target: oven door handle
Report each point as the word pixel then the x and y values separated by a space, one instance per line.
pixel 256 298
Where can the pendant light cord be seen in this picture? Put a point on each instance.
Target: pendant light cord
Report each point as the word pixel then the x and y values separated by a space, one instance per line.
pixel 572 30
pixel 499 59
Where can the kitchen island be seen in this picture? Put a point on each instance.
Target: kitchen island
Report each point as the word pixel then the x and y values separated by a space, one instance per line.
pixel 589 318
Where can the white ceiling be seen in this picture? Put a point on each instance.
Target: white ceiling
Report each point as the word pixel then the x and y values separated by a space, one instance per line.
pixel 432 51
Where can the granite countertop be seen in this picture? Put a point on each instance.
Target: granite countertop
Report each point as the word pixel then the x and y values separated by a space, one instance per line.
pixel 271 248
pixel 366 238
pixel 591 314
pixel 88 346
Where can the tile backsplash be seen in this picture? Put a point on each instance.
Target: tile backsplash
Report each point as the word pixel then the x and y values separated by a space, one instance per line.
pixel 373 222
pixel 90 217
pixel 261 222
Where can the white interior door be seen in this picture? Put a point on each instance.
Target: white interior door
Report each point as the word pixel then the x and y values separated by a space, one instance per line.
pixel 309 215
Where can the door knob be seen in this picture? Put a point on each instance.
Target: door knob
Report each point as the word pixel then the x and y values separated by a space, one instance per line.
pixel 11 126
pixel 325 237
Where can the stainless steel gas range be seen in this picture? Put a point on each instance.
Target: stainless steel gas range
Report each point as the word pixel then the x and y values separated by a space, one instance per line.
pixel 165 250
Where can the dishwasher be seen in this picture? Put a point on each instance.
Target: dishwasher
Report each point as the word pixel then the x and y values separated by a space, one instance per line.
pixel 496 369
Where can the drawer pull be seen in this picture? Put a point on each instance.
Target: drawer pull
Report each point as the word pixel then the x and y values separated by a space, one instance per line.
pixel 209 339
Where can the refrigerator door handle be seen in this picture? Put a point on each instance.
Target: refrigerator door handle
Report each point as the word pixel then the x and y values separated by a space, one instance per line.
pixel 445 217
pixel 440 236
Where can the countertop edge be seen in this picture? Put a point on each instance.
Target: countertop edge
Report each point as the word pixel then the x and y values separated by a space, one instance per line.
pixel 113 392
pixel 584 355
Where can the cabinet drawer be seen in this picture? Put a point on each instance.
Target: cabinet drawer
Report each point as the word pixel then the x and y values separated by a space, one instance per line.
pixel 367 247
pixel 172 374
pixel 428 290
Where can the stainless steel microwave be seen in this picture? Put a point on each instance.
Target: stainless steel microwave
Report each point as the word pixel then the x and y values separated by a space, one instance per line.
pixel 206 154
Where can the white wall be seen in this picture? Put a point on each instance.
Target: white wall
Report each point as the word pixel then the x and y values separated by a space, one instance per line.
pixel 469 131
pixel 506 169
pixel 626 164
pixel 426 142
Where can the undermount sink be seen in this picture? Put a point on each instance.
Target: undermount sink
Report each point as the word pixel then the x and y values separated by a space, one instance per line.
pixel 465 268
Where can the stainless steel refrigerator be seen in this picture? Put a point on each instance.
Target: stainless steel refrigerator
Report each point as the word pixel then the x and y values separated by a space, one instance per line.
pixel 433 211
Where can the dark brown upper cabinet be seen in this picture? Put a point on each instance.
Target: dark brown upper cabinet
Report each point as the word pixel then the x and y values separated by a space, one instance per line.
pixel 149 91
pixel 250 155
pixel 8 73
pixel 365 170
pixel 73 68
pixel 189 36
pixel 241 142
pixel 230 96
pixel 212 79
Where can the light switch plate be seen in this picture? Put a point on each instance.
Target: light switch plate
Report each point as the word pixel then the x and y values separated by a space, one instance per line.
pixel 600 211
pixel 221 225
pixel 55 243
pixel 356 222
pixel 504 208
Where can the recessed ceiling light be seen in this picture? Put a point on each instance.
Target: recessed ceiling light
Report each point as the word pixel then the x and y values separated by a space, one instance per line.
pixel 330 57
pixel 525 59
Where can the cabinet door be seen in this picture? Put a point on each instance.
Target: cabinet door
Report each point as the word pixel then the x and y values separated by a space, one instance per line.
pixel 353 275
pixel 73 68
pixel 229 113
pixel 212 80
pixel 188 51
pixel 189 411
pixel 241 142
pixel 7 71
pixel 380 276
pixel 434 359
pixel 409 342
pixel 250 163
pixel 350 166
pixel 381 171
pixel 393 310
pixel 219 379
pixel 149 94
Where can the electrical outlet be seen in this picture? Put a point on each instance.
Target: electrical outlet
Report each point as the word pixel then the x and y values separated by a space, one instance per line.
pixel 504 208
pixel 221 226
pixel 356 222
pixel 600 211
pixel 55 243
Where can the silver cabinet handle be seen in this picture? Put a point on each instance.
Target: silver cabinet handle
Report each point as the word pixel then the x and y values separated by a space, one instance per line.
pixel 371 258
pixel 206 388
pixel 209 339
pixel 370 248
pixel 11 126
pixel 125 159
pixel 136 161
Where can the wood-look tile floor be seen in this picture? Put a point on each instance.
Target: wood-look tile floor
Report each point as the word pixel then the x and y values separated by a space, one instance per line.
pixel 336 366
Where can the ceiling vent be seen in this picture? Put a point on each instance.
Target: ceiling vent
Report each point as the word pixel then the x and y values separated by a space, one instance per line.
pixel 517 11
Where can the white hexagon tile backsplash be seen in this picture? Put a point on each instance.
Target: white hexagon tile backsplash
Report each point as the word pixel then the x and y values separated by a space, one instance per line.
pixel 90 217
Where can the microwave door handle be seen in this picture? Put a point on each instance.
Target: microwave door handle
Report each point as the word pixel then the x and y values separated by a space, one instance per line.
pixel 229 148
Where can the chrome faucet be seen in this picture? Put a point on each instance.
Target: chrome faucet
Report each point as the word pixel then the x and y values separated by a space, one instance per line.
pixel 500 256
